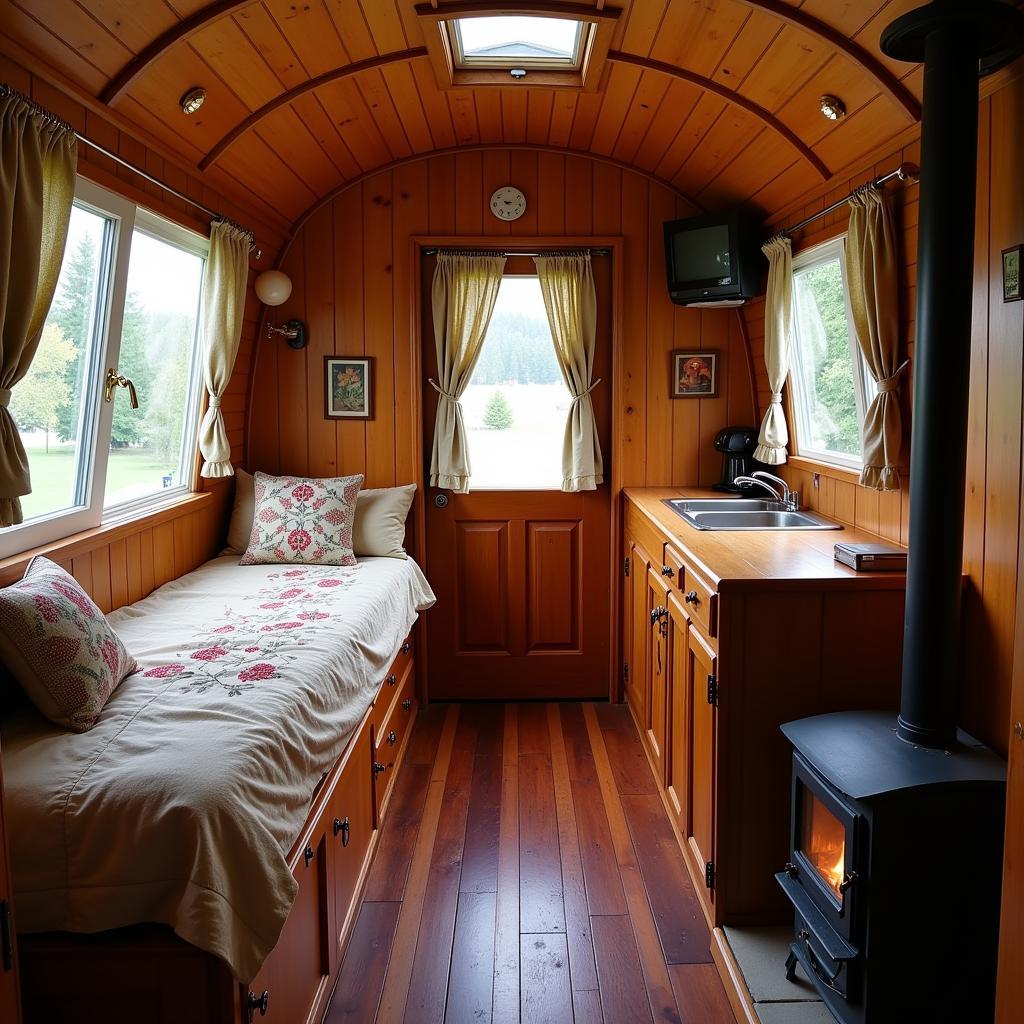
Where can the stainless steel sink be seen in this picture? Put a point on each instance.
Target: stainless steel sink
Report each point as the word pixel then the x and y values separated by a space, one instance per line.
pixel 745 514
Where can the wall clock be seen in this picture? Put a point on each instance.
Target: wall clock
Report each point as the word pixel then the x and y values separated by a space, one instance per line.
pixel 508 203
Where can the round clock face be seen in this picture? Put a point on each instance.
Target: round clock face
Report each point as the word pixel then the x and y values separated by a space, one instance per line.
pixel 508 203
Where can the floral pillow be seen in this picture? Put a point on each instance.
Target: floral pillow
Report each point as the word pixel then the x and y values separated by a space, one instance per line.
pixel 303 521
pixel 59 646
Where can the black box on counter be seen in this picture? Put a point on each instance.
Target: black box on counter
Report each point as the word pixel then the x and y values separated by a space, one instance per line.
pixel 872 557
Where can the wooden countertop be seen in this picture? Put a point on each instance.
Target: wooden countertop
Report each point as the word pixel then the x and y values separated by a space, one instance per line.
pixel 735 560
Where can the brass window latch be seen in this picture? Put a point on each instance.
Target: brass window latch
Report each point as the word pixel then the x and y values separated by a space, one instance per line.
pixel 113 380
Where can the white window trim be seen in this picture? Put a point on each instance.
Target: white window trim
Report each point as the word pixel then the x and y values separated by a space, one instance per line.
pixel 96 416
pixel 863 384
pixel 574 63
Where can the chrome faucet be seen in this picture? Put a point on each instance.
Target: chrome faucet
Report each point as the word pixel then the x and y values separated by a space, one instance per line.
pixel 775 486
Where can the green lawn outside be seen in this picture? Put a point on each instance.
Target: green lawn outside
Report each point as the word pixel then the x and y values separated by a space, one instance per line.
pixel 134 471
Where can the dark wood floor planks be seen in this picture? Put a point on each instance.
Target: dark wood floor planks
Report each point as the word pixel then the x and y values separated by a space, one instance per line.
pixel 528 874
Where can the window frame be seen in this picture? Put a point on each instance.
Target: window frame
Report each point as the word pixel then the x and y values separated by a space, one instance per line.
pixel 863 384
pixel 572 64
pixel 96 416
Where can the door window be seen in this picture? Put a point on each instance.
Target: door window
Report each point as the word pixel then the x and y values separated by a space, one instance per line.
pixel 516 404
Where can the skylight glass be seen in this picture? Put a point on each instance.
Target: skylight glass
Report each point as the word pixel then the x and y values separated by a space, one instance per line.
pixel 502 41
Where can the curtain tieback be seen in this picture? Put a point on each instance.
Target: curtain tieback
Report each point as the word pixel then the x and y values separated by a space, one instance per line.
pixel 214 401
pixel 583 394
pixel 441 391
pixel 890 384
pixel 776 398
pixel 5 397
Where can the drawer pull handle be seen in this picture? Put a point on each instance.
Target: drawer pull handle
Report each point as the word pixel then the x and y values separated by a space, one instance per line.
pixel 667 570
pixel 392 738
pixel 657 614
pixel 308 854
pixel 407 704
pixel 258 1002
pixel 378 767
pixel 342 825
pixel 392 679
pixel 692 598
pixel 406 647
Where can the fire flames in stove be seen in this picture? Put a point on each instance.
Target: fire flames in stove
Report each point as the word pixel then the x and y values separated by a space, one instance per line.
pixel 824 843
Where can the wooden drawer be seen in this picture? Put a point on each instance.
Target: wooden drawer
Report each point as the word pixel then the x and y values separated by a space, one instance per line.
pixel 699 600
pixel 390 685
pixel 389 738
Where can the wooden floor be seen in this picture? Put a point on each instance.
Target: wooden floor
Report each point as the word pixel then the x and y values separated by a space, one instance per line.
pixel 528 872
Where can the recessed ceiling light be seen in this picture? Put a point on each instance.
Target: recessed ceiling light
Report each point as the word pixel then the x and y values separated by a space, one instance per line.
pixel 193 99
pixel 833 107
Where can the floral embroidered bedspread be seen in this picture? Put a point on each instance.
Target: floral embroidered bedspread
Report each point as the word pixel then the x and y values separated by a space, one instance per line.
pixel 182 802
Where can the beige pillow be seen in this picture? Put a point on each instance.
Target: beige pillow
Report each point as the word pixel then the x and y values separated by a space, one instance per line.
pixel 380 521
pixel 380 518
pixel 59 646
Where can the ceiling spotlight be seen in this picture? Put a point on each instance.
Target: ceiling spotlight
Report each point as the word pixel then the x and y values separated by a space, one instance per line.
pixel 833 107
pixel 193 99
pixel 518 73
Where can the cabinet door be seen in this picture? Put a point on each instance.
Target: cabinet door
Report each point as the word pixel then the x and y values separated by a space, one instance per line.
pixel 701 670
pixel 9 1010
pixel 295 975
pixel 659 653
pixel 678 753
pixel 640 624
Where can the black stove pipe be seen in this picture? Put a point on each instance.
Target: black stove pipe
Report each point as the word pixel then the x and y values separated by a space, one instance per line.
pixel 951 36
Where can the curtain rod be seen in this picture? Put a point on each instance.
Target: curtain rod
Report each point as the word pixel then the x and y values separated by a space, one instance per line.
pixel 905 172
pixel 6 90
pixel 434 250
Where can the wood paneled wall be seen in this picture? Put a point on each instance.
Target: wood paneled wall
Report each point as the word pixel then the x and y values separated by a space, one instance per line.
pixel 993 506
pixel 352 267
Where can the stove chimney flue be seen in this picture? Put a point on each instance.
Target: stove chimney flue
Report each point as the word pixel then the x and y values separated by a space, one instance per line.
pixel 957 40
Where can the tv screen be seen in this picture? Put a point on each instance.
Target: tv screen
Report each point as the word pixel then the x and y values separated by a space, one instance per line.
pixel 702 255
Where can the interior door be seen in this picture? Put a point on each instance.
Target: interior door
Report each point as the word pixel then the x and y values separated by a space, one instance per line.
pixel 522 576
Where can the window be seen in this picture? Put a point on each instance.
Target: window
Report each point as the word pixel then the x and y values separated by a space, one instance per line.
pixel 529 42
pixel 516 404
pixel 127 297
pixel 829 383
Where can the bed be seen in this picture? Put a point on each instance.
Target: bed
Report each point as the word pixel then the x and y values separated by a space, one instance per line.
pixel 183 802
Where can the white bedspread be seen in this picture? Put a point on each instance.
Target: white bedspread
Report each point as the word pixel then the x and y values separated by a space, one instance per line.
pixel 180 806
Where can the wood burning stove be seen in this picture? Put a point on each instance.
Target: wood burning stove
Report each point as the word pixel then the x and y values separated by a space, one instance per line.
pixel 894 871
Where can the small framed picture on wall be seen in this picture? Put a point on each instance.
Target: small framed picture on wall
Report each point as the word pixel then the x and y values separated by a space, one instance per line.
pixel 695 374
pixel 348 387
pixel 1012 259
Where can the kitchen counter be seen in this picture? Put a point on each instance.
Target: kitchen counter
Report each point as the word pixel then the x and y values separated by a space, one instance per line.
pixel 748 560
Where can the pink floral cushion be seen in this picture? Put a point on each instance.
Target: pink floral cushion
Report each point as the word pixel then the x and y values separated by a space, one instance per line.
pixel 301 520
pixel 59 646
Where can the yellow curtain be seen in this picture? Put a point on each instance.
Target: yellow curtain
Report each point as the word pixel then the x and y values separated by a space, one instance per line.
pixel 778 316
pixel 464 291
pixel 567 284
pixel 37 186
pixel 871 274
pixel 224 283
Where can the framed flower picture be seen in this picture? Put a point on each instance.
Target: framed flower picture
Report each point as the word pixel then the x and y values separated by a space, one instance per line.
pixel 695 374
pixel 348 387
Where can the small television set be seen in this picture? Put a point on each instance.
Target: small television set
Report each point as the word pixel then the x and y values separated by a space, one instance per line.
pixel 713 259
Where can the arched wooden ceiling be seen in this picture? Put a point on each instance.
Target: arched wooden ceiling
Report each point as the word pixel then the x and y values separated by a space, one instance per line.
pixel 718 98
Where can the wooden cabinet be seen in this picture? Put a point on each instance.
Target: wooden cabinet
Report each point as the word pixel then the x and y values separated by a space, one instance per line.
pixel 9 1001
pixel 751 638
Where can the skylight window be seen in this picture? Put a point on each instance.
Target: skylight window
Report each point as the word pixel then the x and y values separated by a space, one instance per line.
pixel 518 41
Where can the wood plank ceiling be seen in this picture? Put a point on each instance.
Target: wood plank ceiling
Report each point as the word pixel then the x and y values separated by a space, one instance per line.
pixel 718 98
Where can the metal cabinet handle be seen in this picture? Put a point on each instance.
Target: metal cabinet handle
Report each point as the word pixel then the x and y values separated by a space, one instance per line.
pixel 392 679
pixel 258 1002
pixel 308 854
pixel 407 704
pixel 406 647
pixel 392 738
pixel 667 570
pixel 378 767
pixel 343 826
pixel 691 597
pixel 657 614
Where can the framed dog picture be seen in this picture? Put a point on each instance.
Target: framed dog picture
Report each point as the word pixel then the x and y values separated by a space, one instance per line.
pixel 1012 259
pixel 695 374
pixel 348 387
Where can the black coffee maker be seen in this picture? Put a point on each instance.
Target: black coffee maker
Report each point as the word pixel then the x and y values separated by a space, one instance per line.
pixel 737 444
